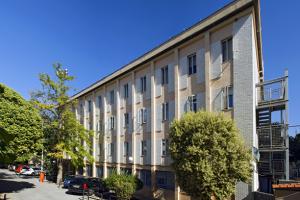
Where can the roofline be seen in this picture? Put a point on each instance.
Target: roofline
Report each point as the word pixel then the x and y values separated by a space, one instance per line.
pixel 217 17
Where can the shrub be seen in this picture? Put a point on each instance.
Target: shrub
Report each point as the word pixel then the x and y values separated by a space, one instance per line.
pixel 123 184
pixel 209 155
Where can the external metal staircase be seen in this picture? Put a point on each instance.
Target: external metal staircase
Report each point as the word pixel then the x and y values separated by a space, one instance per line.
pixel 272 98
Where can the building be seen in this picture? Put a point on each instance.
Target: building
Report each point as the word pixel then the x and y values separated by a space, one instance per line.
pixel 214 65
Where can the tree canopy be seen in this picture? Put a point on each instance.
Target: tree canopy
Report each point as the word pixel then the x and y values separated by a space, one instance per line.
pixel 209 155
pixel 20 127
pixel 64 135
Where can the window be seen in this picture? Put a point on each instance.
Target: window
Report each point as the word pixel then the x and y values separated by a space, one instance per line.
pixel 143 148
pixel 126 119
pixel 100 126
pixel 81 109
pixel 164 147
pixel 111 149
pixel 126 148
pixel 126 91
pixel 164 75
pixel 112 122
pixel 112 97
pixel 143 116
pixel 228 97
pixel 192 64
pixel 227 52
pixel 165 111
pixel 99 102
pixel 90 106
pixel 143 84
pixel 192 103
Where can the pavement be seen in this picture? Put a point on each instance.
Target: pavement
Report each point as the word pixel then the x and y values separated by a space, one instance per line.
pixel 29 188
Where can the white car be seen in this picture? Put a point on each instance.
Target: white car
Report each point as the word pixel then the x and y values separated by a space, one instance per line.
pixel 27 171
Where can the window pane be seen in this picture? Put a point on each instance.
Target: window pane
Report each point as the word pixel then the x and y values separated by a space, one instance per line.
pixel 224 51
pixel 230 51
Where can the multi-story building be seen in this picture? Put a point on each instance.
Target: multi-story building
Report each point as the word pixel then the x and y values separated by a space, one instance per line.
pixel 214 65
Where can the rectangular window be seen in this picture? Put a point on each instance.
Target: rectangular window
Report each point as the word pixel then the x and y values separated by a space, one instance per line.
pixel 126 91
pixel 112 122
pixel 228 97
pixel 112 97
pixel 165 111
pixel 192 64
pixel 90 106
pixel 126 148
pixel 126 120
pixel 164 147
pixel 227 52
pixel 99 102
pixel 164 75
pixel 143 148
pixel 112 149
pixel 192 103
pixel 143 84
pixel 81 109
pixel 143 115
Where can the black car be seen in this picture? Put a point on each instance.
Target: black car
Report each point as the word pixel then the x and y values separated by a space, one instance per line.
pixel 89 186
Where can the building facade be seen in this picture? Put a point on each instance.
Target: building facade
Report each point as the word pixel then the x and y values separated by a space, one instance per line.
pixel 214 65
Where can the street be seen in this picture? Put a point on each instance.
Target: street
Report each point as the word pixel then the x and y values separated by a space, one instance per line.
pixel 29 188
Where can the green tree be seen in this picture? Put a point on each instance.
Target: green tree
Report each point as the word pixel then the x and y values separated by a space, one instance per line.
pixel 209 155
pixel 123 184
pixel 64 135
pixel 20 127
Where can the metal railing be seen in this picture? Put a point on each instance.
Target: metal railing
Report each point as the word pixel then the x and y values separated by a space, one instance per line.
pixel 273 90
pixel 273 136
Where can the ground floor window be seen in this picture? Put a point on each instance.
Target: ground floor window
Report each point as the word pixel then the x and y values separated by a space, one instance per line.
pixel 110 170
pixel 99 171
pixel 89 170
pixel 145 177
pixel 165 180
pixel 126 170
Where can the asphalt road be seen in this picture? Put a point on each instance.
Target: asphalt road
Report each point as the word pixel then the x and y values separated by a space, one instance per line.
pixel 29 188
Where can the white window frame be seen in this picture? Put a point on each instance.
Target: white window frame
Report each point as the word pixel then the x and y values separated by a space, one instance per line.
pixel 165 111
pixel 143 116
pixel 192 64
pixel 192 103
pixel 227 51
pixel 227 94
pixel 112 122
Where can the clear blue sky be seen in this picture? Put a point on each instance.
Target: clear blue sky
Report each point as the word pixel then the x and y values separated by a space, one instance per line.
pixel 93 38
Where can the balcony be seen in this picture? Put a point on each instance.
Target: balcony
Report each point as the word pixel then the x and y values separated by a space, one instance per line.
pixel 272 92
pixel 272 137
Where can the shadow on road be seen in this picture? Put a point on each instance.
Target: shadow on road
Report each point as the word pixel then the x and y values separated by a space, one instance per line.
pixel 7 176
pixel 8 186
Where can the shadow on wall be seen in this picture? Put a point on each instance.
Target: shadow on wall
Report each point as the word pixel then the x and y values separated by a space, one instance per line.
pixel 8 186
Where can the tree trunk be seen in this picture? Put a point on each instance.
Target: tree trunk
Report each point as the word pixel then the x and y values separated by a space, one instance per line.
pixel 59 172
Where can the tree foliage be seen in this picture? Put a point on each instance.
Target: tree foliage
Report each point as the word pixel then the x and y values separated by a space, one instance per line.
pixel 64 135
pixel 209 155
pixel 20 127
pixel 123 184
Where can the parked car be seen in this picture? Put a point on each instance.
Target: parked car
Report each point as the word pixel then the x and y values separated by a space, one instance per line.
pixel 28 171
pixel 21 168
pixel 67 180
pixel 89 186
pixel 11 167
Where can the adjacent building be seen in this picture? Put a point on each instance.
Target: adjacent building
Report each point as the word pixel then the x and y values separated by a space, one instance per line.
pixel 214 65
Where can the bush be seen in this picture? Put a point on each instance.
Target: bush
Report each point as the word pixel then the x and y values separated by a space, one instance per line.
pixel 209 155
pixel 123 184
